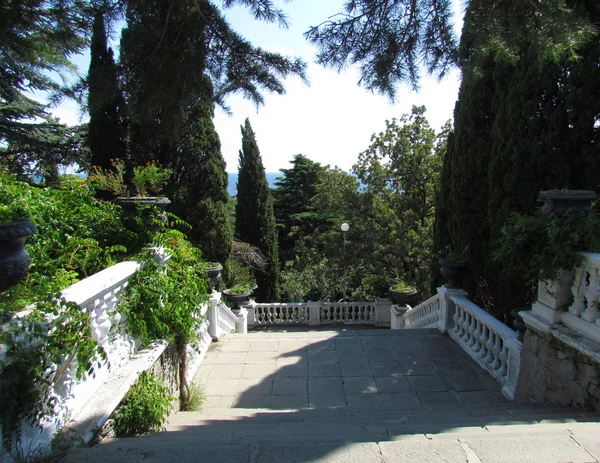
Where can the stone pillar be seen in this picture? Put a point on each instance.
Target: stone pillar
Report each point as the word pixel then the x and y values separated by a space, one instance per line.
pixel 241 325
pixel 314 314
pixel 383 317
pixel 447 308
pixel 251 308
pixel 513 366
pixel 213 316
pixel 396 313
pixel 553 297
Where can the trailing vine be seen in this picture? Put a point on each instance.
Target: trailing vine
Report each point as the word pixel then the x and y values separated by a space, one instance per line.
pixel 40 347
pixel 167 304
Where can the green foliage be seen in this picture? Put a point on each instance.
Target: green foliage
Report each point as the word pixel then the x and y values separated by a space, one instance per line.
pixel 402 287
pixel 254 216
pixel 538 247
pixel 107 128
pixel 163 66
pixel 294 213
pixel 197 398
pixel 150 179
pixel 237 274
pixel 111 178
pixel 241 288
pixel 38 38
pixel 77 236
pixel 55 332
pixel 166 305
pixel 521 126
pixel 144 408
pixel 392 39
pixel 198 188
pixel 390 213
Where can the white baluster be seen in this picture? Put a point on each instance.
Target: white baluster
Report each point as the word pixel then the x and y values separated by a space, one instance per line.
pixel 578 290
pixel 456 327
pixel 503 360
pixel 489 345
pixel 591 296
pixel 483 339
pixel 496 350
pixel 460 322
pixel 471 339
pixel 476 335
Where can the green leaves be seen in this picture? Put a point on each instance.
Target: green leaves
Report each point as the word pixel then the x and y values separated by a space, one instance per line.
pixel 144 408
pixel 41 346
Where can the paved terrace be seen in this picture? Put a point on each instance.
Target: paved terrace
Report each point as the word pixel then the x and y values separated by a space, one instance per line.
pixel 352 395
pixel 356 368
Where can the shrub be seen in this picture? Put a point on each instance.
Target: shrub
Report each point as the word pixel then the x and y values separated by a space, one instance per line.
pixel 144 408
pixel 77 236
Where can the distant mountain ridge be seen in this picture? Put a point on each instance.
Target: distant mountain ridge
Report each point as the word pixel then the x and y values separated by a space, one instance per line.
pixel 233 179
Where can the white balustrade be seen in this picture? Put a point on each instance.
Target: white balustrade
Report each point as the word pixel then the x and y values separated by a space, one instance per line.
pixel 583 315
pixel 282 314
pixel 348 313
pixel 491 343
pixel 424 315
pixel 227 320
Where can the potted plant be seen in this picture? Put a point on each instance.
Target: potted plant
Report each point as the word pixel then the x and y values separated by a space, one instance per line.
pixel 453 268
pixel 214 272
pixel 401 292
pixel 148 181
pixel 14 258
pixel 109 183
pixel 238 294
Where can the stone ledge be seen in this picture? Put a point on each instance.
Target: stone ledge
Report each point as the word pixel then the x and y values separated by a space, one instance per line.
pixel 96 411
pixel 564 334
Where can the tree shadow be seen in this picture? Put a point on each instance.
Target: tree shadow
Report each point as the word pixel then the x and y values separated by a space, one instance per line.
pixel 310 396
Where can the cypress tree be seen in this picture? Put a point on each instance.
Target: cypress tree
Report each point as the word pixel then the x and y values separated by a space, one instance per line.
pixel 462 219
pixel 198 187
pixel 107 127
pixel 254 217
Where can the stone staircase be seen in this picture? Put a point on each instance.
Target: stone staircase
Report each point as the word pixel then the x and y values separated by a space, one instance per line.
pixel 355 395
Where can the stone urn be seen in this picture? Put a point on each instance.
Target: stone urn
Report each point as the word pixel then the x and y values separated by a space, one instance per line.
pixel 236 298
pixel 454 271
pixel 135 211
pixel 560 201
pixel 214 273
pixel 14 258
pixel 401 297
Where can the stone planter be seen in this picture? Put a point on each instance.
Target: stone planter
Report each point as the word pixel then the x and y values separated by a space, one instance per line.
pixel 133 220
pixel 401 297
pixel 454 272
pixel 560 201
pixel 236 299
pixel 214 274
pixel 14 258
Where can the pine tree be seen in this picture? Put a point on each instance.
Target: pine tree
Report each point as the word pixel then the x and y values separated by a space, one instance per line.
pixel 293 211
pixel 198 187
pixel 107 127
pixel 254 217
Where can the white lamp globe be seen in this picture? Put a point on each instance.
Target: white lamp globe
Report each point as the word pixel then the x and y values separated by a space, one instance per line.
pixel 345 227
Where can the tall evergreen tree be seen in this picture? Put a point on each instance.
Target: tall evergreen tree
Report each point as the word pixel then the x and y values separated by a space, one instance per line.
pixel 37 38
pixel 293 211
pixel 107 126
pixel 198 187
pixel 168 45
pixel 254 217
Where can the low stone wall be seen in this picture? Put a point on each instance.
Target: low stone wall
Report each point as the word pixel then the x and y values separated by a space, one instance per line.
pixel 559 367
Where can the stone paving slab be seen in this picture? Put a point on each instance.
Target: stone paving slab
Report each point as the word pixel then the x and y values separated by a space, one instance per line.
pixel 426 366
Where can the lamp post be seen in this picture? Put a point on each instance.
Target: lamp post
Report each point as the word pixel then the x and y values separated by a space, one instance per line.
pixel 345 227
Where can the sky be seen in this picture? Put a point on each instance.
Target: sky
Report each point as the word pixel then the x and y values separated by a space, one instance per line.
pixel 331 120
